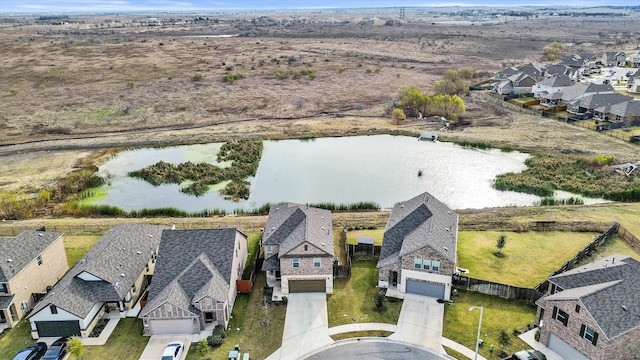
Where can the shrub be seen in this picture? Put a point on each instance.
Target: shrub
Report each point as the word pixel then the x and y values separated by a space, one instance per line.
pixel 380 300
pixel 13 91
pixel 342 69
pixel 196 77
pixel 219 330
pixel 203 347
pixel 215 340
pixel 231 78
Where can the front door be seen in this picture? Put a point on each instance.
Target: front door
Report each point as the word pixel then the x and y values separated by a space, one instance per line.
pixel 209 317
pixel 393 278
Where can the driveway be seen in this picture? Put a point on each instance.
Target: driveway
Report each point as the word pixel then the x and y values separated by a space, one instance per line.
pixel 306 326
pixel 420 322
pixel 156 345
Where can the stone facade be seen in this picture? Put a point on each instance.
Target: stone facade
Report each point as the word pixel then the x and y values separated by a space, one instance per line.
pixel 446 267
pixel 35 278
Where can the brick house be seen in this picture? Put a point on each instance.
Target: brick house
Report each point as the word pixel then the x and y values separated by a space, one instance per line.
pixel 109 278
pixel 419 247
pixel 298 249
pixel 591 312
pixel 194 283
pixel 31 263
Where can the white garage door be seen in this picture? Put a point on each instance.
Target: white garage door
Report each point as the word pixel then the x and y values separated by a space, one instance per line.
pixel 564 350
pixel 171 327
pixel 419 287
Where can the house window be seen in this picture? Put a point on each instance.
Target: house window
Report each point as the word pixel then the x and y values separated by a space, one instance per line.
pixel 417 263
pixel 577 308
pixel 306 247
pixel 561 316
pixel 555 288
pixel 296 262
pixel 269 249
pixel 316 262
pixel 3 288
pixel 435 265
pixel 589 334
pixel 54 309
pixel 39 258
pixel 426 264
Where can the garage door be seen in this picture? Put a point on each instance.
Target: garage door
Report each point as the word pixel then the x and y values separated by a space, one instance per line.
pixel 305 286
pixel 58 328
pixel 425 288
pixel 563 349
pixel 171 327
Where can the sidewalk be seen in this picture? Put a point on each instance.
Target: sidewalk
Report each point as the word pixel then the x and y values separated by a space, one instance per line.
pixel 461 349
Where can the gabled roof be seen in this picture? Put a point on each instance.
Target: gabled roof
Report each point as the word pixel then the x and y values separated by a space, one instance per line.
pixel 507 72
pixel 625 108
pixel 517 78
pixel 123 250
pixel 16 253
pixel 557 81
pixel 575 60
pixel 192 264
pixel 533 69
pixel 559 69
pixel 577 91
pixel 597 100
pixel 608 288
pixel 417 223
pixel 289 225
pixel 6 301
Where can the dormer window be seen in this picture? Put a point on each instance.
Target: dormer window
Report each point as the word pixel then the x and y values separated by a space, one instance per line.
pixel 306 247
pixel 269 249
pixel 54 309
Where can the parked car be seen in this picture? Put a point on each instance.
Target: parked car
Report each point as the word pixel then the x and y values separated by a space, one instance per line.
pixel 528 355
pixel 57 350
pixel 32 352
pixel 173 351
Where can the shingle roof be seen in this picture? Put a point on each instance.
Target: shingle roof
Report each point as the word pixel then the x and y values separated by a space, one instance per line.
pixel 594 101
pixel 272 263
pixel 608 288
pixel 5 301
pixel 125 249
pixel 625 108
pixel 559 69
pixel 289 225
pixel 16 253
pixel 578 91
pixel 557 81
pixel 417 223
pixel 192 264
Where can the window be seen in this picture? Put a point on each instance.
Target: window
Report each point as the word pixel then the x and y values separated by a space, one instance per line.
pixel 417 263
pixel 296 262
pixel 269 249
pixel 54 309
pixel 435 265
pixel 577 308
pixel 426 264
pixel 316 262
pixel 589 334
pixel 39 258
pixel 561 316
pixel 555 288
pixel 3 288
pixel 306 247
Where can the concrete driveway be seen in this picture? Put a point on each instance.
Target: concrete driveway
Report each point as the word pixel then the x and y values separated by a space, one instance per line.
pixel 156 345
pixel 306 326
pixel 420 322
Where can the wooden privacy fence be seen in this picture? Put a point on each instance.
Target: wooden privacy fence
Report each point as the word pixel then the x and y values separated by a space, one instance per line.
pixel 631 239
pixel 571 226
pixel 497 289
pixel 245 285
pixel 343 271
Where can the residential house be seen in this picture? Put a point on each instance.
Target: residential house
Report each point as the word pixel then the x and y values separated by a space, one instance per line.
pixel 551 85
pixel 418 254
pixel 520 83
pixel 561 69
pixel 504 74
pixel 633 82
pixel 580 63
pixel 534 69
pixel 635 60
pixel 626 111
pixel 594 101
pixel 31 263
pixel 110 277
pixel 581 90
pixel 298 249
pixel 610 58
pixel 591 312
pixel 194 283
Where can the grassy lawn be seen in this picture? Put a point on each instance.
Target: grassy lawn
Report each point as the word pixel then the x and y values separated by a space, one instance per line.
pixel 518 267
pixel 455 354
pixel 260 341
pixel 15 339
pixel 377 235
pixel 339 251
pixel 253 247
pixel 353 298
pixel 125 343
pixel 615 245
pixel 461 325
pixel 360 334
pixel 76 246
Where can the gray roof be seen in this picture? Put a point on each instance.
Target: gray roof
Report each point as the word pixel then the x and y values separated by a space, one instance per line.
pixel 417 223
pixel 594 101
pixel 559 69
pixel 290 225
pixel 557 81
pixel 18 252
pixel 578 91
pixel 575 60
pixel 272 263
pixel 123 250
pixel 625 108
pixel 192 264
pixel 608 288
pixel 5 301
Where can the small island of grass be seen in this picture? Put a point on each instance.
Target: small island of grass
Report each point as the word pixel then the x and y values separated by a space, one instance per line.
pixel 244 156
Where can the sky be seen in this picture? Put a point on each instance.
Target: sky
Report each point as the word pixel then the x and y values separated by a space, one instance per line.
pixel 63 6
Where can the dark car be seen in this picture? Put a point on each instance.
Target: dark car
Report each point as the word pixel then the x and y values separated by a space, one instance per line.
pixel 57 350
pixel 528 355
pixel 32 352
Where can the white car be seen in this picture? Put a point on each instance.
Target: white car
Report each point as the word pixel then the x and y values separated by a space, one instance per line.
pixel 173 351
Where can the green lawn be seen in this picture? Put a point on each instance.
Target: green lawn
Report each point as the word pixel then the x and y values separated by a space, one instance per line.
pixel 248 313
pixel 377 235
pixel 76 246
pixel 125 343
pixel 614 245
pixel 15 339
pixel 254 247
pixel 529 257
pixel 461 325
pixel 353 297
pixel 455 354
pixel 360 334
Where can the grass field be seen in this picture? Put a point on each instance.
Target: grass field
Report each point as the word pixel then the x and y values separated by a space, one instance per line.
pixel 15 339
pixel 460 324
pixel 522 264
pixel 125 343
pixel 360 334
pixel 377 235
pixel 353 298
pixel 76 246
pixel 613 246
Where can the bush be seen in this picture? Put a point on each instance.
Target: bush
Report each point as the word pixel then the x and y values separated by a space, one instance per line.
pixel 215 340
pixel 380 300
pixel 13 91
pixel 231 78
pixel 196 77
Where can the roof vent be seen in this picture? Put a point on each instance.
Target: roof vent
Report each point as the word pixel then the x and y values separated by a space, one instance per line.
pixel 150 235
pixel 445 249
pixel 323 244
pixel 9 260
pixel 138 252
pixel 124 249
pixel 121 274
pixel 402 206
pixel 447 229
pixel 116 285
pixel 322 227
pixel 40 234
pixel 624 307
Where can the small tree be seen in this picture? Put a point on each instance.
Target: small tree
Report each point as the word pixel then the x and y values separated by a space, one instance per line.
pixel 380 301
pixel 203 348
pixel 500 243
pixel 76 347
pixel 504 339
pixel 398 115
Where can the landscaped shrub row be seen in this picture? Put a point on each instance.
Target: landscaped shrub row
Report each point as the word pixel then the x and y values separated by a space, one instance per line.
pixel 579 175
pixel 243 154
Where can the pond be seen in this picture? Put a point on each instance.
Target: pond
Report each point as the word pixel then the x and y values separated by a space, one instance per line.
pixel 381 168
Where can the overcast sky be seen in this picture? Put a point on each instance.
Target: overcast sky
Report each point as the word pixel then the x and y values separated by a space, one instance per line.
pixel 186 5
